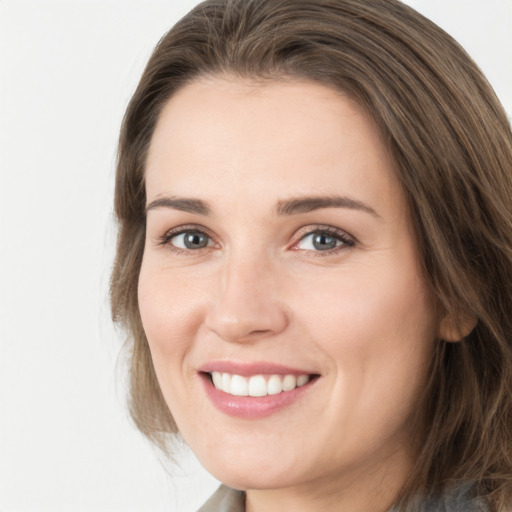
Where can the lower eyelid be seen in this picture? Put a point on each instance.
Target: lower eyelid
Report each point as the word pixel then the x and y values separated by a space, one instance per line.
pixel 172 236
pixel 166 237
pixel 344 240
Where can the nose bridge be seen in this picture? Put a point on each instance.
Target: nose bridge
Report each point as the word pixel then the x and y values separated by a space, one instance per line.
pixel 247 262
pixel 248 305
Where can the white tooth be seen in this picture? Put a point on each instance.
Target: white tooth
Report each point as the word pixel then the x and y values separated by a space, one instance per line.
pixel 217 379
pixel 226 382
pixel 239 386
pixel 274 385
pixel 257 386
pixel 303 379
pixel 289 382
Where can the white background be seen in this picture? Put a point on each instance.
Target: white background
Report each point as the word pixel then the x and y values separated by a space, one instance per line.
pixel 67 69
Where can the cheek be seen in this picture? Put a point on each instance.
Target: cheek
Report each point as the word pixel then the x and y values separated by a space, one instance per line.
pixel 364 302
pixel 376 323
pixel 170 310
pixel 378 332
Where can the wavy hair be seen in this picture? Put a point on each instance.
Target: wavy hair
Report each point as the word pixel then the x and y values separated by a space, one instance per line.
pixel 452 145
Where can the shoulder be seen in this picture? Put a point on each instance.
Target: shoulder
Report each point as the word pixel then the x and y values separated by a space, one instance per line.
pixel 225 499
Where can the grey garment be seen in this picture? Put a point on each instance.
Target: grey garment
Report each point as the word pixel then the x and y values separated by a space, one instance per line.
pixel 459 500
pixel 225 500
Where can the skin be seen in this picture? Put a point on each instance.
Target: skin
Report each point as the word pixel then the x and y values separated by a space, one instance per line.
pixel 360 315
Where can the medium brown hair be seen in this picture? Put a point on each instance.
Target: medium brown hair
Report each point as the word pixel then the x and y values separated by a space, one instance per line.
pixel 452 145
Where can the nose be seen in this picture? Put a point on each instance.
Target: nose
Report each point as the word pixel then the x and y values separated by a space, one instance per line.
pixel 247 306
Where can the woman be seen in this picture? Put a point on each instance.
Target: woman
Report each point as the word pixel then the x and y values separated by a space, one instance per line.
pixel 314 260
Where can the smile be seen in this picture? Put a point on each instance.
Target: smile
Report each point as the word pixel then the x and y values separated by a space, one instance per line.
pixel 254 391
pixel 256 385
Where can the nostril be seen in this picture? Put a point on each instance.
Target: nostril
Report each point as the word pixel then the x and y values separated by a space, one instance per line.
pixel 258 332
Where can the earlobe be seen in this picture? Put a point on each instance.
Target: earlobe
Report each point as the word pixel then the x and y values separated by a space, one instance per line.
pixel 454 328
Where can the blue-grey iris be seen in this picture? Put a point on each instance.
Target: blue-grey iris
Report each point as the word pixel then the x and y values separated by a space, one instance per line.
pixel 195 240
pixel 324 242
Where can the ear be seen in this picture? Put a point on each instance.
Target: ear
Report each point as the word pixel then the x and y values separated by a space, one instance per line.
pixel 453 328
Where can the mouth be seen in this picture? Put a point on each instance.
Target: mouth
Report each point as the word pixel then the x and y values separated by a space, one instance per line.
pixel 255 390
pixel 257 385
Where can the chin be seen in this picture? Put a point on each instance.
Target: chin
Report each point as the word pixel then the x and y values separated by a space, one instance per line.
pixel 244 474
pixel 252 481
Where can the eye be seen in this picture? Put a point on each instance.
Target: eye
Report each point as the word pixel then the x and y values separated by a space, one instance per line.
pixel 324 241
pixel 191 239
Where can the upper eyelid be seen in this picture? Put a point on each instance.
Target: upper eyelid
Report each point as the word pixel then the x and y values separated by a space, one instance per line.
pixel 298 235
pixel 321 228
pixel 184 228
pixel 165 240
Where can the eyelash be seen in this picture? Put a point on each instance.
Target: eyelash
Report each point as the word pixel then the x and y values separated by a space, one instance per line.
pixel 166 239
pixel 347 241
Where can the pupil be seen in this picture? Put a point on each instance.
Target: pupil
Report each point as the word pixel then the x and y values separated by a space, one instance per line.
pixel 324 242
pixel 194 240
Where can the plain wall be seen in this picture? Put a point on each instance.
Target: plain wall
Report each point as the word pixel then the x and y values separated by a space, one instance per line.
pixel 67 70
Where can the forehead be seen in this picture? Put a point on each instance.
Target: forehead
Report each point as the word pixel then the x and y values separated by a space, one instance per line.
pixel 267 140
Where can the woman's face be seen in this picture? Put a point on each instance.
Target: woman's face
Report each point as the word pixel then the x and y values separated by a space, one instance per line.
pixel 279 254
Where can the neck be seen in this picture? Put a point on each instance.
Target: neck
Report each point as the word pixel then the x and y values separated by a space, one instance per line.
pixel 367 489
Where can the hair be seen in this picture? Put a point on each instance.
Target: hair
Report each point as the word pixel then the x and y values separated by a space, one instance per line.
pixel 452 145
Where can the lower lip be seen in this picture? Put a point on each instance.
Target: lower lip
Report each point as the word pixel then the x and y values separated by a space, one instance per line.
pixel 252 407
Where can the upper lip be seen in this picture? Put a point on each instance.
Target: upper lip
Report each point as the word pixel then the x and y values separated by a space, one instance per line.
pixel 247 369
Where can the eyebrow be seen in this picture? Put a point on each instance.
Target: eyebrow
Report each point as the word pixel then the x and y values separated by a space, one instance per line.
pixel 309 204
pixel 283 207
pixel 182 203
